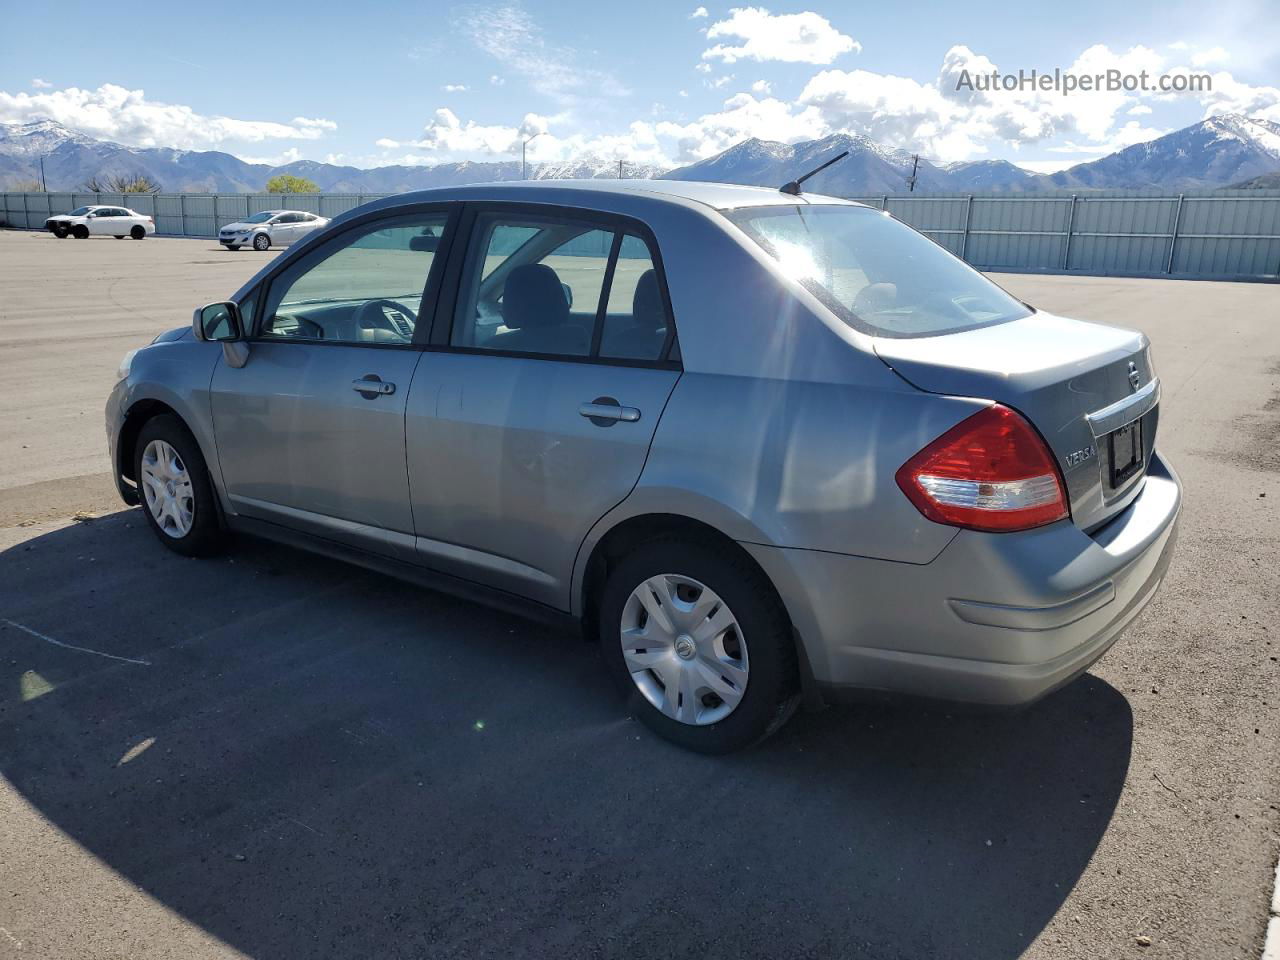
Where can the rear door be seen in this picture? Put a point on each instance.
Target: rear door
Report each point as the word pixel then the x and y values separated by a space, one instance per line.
pixel 106 221
pixel 310 431
pixel 532 413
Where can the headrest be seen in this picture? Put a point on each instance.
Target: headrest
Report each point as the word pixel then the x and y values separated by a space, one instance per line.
pixel 646 306
pixel 533 297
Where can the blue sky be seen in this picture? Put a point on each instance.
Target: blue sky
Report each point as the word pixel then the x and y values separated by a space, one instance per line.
pixel 658 82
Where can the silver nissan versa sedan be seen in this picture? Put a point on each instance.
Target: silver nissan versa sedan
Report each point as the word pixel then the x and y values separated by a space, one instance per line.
pixel 760 445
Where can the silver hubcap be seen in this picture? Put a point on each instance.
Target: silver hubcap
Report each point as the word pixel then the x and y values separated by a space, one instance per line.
pixel 167 489
pixel 684 649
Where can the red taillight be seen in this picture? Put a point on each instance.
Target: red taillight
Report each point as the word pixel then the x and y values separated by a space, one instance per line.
pixel 989 472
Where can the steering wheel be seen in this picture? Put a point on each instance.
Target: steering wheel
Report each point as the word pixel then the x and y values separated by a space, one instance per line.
pixel 371 316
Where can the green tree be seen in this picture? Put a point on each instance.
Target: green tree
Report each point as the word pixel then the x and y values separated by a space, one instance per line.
pixel 288 183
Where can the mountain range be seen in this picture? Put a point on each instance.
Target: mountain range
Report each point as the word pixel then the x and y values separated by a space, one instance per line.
pixel 1217 152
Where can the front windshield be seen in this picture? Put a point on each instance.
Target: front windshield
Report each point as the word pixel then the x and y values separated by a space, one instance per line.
pixel 79 211
pixel 876 273
pixel 258 218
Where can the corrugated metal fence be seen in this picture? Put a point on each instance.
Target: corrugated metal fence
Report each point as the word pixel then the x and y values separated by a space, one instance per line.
pixel 1221 233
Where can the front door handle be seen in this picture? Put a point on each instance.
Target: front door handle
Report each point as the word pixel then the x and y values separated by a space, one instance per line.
pixel 372 385
pixel 606 411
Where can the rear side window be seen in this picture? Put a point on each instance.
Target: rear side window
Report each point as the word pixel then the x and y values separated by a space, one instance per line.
pixel 876 273
pixel 559 287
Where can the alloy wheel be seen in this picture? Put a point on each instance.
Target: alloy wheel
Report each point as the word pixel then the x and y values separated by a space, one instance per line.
pixel 684 649
pixel 166 486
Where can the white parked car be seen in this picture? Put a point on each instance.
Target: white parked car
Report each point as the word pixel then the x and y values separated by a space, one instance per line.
pixel 270 228
pixel 101 220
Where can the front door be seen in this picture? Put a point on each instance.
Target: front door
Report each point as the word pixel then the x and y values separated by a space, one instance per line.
pixel 310 431
pixel 535 418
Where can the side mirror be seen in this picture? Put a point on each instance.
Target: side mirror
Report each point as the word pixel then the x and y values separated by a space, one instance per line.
pixel 568 293
pixel 218 322
pixel 424 244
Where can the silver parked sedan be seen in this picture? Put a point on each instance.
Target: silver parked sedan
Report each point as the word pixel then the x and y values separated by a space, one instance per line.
pixel 759 445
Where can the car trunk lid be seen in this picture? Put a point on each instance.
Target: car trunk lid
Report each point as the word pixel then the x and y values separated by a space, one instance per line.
pixel 1088 389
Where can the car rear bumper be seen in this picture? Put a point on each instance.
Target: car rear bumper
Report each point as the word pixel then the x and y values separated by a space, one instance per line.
pixel 995 619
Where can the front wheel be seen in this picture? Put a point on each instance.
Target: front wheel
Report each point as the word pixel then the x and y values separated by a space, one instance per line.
pixel 261 242
pixel 119 236
pixel 698 639
pixel 232 246
pixel 177 495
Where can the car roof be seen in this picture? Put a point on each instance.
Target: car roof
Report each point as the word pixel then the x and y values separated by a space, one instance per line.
pixel 720 196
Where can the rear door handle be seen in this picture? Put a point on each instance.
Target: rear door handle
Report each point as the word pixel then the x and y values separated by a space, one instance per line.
pixel 606 411
pixel 372 385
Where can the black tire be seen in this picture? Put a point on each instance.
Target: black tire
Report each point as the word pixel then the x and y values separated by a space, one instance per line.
pixel 119 236
pixel 261 242
pixel 772 689
pixel 205 537
pixel 61 233
pixel 80 232
pixel 138 233
pixel 231 246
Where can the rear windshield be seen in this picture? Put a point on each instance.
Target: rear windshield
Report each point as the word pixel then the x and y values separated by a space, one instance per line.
pixel 876 273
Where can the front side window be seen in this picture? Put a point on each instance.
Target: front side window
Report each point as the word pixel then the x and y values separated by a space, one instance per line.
pixel 369 289
pixel 558 287
pixel 259 217
pixel 875 273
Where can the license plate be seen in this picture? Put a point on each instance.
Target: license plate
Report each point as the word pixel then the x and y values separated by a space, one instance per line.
pixel 1125 447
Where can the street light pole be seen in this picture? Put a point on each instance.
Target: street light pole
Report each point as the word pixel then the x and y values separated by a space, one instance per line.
pixel 523 144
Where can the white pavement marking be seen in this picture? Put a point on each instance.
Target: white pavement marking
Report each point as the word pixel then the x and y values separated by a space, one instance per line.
pixel 71 646
pixel 1271 946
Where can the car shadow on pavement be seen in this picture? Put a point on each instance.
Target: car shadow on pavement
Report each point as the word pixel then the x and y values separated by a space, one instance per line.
pixel 311 760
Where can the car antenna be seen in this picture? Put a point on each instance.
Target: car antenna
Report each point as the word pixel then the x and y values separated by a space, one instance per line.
pixel 793 188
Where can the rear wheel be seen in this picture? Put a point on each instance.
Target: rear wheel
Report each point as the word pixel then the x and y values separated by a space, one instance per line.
pixel 119 236
pixel 232 246
pixel 137 233
pixel 699 641
pixel 80 231
pixel 261 242
pixel 177 495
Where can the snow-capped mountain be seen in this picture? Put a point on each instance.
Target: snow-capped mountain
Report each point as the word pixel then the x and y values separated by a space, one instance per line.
pixel 870 167
pixel 1217 152
pixel 1212 153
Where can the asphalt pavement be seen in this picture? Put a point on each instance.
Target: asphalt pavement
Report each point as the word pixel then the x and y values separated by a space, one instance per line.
pixel 276 755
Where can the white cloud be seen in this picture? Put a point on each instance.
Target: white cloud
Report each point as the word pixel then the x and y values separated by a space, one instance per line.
pixel 386 143
pixel 703 68
pixel 41 84
pixel 1141 110
pixel 113 112
pixel 791 37
pixel 277 160
pixel 719 82
pixel 742 116
pixel 510 36
pixel 446 134
pixel 454 88
pixel 762 87
pixel 698 13
pixel 1230 95
pixel 496 80
pixel 1202 58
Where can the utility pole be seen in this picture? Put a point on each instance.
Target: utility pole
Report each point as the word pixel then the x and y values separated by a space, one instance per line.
pixel 44 188
pixel 619 169
pixel 911 180
pixel 523 144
